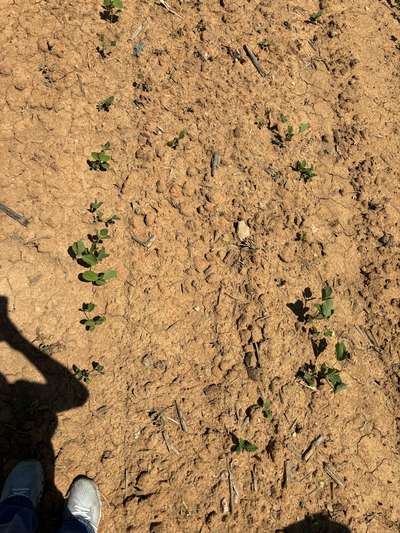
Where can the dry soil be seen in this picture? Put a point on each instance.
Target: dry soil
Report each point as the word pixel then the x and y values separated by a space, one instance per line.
pixel 199 331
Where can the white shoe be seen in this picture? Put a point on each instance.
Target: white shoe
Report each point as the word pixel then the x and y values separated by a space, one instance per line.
pixel 83 502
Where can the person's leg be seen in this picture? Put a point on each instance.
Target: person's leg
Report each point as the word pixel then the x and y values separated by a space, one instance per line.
pixel 83 507
pixel 72 525
pixel 19 498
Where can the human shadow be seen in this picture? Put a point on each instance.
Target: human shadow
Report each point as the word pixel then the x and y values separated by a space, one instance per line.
pixel 28 414
pixel 316 523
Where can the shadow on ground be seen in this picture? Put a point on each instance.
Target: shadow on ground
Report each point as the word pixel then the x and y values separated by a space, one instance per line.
pixel 28 414
pixel 317 523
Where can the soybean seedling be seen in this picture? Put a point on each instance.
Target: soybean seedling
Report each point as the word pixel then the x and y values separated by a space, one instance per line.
pixel 111 10
pixel 94 206
pixel 279 137
pixel 97 279
pixel 100 159
pixel 100 236
pixel 325 309
pixel 91 323
pixel 88 256
pixel 314 17
pixel 103 47
pixel 264 44
pixel 98 216
pixel 264 405
pixel 307 172
pixel 304 126
pixel 266 410
pixel 332 376
pixel 243 445
pixel 83 374
pixel 308 373
pixel 341 352
pixel 313 378
pixel 175 141
pixel 104 105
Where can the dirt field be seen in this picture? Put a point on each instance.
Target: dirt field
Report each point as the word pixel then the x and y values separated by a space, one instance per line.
pixel 220 249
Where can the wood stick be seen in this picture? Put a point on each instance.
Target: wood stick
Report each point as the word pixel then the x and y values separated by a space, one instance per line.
pixel 331 472
pixel 251 55
pixel 14 215
pixel 215 161
pixel 287 473
pixel 165 4
pixel 254 478
pixel 182 422
pixel 311 449
pixel 81 84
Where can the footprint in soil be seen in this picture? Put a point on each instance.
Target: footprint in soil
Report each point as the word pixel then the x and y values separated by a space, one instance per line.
pixel 28 415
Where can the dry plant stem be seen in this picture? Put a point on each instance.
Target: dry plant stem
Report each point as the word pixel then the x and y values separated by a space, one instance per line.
pixel 251 55
pixel 165 4
pixel 82 89
pixel 13 214
pixel 254 479
pixel 287 473
pixel 182 422
pixel 331 472
pixel 215 161
pixel 311 449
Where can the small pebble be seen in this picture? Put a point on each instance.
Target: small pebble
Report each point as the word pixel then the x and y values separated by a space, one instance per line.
pixel 243 230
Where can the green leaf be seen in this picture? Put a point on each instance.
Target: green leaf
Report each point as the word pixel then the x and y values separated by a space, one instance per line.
pixel 109 274
pixel 303 127
pixel 309 378
pixel 89 260
pixel 95 205
pixel 339 387
pixel 328 333
pixel 327 308
pixel 88 308
pixel 104 105
pixel 89 324
pixel 341 352
pixel 264 44
pixel 106 146
pixel 112 220
pixel 97 367
pixel 249 447
pixel 103 157
pixel 289 133
pixel 308 374
pixel 100 281
pixel 245 445
pixel 315 16
pixel 78 248
pixel 104 233
pixel 174 143
pixel 327 292
pixel 88 275
pixel 332 375
pixel 99 320
pixel 267 410
pixel 101 254
pixel 283 118
pixel 318 307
